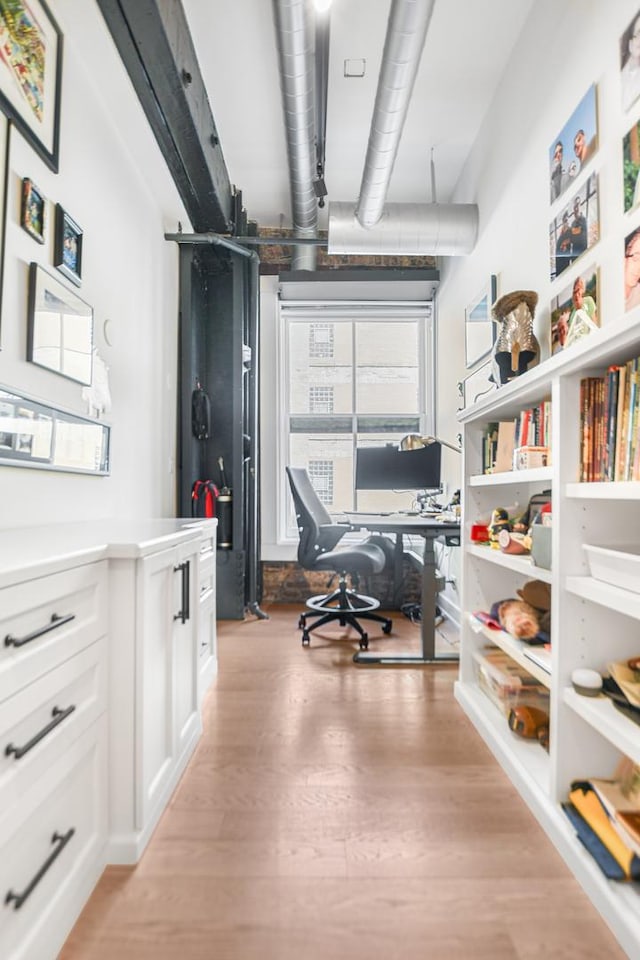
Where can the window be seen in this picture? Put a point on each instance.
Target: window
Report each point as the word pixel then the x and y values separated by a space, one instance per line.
pixel 321 340
pixel 363 376
pixel 320 399
pixel 321 476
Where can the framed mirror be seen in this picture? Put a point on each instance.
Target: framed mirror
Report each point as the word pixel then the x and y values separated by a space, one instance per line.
pixel 35 434
pixel 59 328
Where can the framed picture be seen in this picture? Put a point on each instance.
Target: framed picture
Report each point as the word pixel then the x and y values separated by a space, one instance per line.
pixel 576 229
pixel 32 211
pixel 479 329
pixel 31 74
pixel 630 62
pixel 67 251
pixel 59 328
pixel 632 269
pixel 631 167
pixel 477 385
pixel 575 311
pixel 574 147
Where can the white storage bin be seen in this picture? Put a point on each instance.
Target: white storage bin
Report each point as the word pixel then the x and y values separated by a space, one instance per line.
pixel 618 565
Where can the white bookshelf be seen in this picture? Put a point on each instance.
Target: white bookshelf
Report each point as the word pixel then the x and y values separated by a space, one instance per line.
pixel 593 623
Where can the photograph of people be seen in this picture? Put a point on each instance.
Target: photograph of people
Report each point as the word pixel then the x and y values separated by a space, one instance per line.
pixel 631 167
pixel 630 63
pixel 576 230
pixel 579 137
pixel 574 312
pixel 632 270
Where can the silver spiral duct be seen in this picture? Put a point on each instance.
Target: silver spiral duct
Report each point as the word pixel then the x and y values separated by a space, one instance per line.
pixel 295 41
pixel 405 229
pixel 406 33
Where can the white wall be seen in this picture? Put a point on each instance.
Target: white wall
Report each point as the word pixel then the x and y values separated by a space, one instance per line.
pixel 564 48
pixel 113 181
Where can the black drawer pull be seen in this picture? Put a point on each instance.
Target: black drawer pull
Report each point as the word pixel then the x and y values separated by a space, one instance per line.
pixel 56 621
pixel 58 716
pixel 17 899
pixel 184 613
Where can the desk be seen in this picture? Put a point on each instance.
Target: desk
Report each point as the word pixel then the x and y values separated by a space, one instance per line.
pixel 429 530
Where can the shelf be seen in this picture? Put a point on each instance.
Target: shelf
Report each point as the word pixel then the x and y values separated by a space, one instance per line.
pixel 526 762
pixel 514 648
pixel 615 598
pixel 519 564
pixel 601 714
pixel 620 490
pixel 537 475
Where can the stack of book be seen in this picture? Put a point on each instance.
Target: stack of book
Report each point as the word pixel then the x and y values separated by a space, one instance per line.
pixel 609 423
pixel 520 443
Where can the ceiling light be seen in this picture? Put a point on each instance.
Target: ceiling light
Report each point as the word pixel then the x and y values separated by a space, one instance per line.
pixel 322 5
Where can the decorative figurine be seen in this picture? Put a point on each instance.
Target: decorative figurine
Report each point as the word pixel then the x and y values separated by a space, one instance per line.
pixel 516 348
pixel 499 521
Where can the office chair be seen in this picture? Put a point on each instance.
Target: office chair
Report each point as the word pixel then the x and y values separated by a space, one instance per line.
pixel 318 538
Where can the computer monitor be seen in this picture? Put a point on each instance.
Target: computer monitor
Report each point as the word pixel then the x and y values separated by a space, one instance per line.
pixel 388 468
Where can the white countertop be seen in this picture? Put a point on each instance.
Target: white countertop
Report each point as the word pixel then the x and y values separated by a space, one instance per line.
pixel 27 552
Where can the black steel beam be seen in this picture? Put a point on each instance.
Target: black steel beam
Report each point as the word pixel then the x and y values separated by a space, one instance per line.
pixel 155 45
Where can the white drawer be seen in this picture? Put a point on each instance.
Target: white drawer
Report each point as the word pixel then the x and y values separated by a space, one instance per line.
pixel 38 724
pixel 46 874
pixel 45 621
pixel 207 583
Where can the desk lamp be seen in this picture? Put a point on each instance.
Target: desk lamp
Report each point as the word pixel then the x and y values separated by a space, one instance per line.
pixel 415 442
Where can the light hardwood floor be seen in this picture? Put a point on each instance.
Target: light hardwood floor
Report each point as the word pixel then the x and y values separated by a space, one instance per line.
pixel 339 812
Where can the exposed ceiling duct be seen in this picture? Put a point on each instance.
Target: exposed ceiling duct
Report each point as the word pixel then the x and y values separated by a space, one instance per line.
pixel 370 227
pixel 295 41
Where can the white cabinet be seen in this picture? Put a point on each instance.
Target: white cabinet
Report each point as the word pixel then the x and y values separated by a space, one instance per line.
pixel 591 624
pixel 53 753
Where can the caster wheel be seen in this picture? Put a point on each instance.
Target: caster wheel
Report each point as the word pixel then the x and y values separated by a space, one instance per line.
pixel 387 627
pixel 301 623
pixel 364 642
pixel 306 639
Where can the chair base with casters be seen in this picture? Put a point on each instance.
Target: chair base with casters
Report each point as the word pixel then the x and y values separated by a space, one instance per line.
pixel 318 550
pixel 347 607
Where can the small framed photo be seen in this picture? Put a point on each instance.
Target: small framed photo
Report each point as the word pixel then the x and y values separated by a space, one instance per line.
pixel 575 229
pixel 479 329
pixel 575 146
pixel 67 253
pixel 574 312
pixel 32 213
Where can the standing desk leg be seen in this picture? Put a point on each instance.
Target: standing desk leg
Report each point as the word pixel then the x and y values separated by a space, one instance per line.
pixel 428 625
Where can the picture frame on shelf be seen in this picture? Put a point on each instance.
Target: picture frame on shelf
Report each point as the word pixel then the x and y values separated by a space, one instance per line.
pixel 33 210
pixel 574 147
pixel 479 328
pixel 576 228
pixel 67 247
pixel 575 311
pixel 59 328
pixel 31 75
pixel 475 386
pixel 630 62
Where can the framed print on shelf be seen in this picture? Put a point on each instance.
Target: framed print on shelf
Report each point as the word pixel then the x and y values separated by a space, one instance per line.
pixel 31 74
pixel 67 251
pixel 479 329
pixel 32 210
pixel 476 385
pixel 59 328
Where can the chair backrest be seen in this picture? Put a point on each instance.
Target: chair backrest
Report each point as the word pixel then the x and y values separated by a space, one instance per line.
pixel 311 514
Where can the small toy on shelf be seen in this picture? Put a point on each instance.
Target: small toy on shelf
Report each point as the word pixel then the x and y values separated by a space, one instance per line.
pixel 529 617
pixel 499 521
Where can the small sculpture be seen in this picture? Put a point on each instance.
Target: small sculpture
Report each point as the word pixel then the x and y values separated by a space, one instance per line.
pixel 499 521
pixel 516 348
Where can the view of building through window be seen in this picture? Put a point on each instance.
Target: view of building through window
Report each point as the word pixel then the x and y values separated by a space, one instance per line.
pixel 354 381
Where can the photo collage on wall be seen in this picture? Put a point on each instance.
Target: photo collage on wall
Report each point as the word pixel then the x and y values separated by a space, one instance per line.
pixel 575 224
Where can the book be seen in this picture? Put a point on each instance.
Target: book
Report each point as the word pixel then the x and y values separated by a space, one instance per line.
pixel 505 446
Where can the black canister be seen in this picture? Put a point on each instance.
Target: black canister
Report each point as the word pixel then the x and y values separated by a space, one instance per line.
pixel 225 519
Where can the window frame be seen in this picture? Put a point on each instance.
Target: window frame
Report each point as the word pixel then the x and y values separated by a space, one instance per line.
pixel 290 311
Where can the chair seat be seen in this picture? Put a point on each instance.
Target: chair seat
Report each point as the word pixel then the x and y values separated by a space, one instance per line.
pixel 365 558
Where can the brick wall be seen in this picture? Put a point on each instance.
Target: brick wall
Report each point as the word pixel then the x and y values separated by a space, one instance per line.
pixel 287 582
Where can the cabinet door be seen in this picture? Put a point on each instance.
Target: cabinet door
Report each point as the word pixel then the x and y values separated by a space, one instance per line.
pixel 186 723
pixel 158 595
